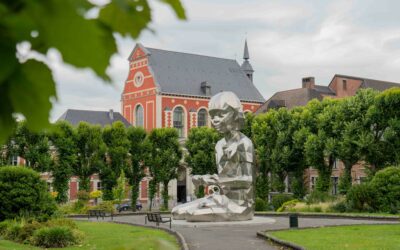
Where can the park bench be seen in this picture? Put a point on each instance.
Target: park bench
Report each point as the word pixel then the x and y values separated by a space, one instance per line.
pixel 156 217
pixel 99 213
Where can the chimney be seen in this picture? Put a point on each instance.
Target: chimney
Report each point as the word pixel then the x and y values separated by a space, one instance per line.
pixel 111 114
pixel 308 82
pixel 206 88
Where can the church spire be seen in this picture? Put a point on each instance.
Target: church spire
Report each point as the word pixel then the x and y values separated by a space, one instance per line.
pixel 246 55
pixel 246 66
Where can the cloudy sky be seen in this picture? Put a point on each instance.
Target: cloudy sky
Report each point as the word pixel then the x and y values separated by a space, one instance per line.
pixel 287 40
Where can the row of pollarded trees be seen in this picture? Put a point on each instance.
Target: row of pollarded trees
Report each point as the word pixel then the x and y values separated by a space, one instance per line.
pixel 67 151
pixel 363 128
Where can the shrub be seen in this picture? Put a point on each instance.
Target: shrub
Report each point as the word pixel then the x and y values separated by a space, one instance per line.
pixel 55 237
pixel 362 197
pixel 3 226
pixel 288 206
pixel 317 209
pixel 386 184
pixel 95 194
pixel 83 196
pixel 318 196
pixel 23 193
pixel 61 222
pixel 108 206
pixel 340 207
pixel 28 229
pixel 279 199
pixel 261 205
pixel 12 231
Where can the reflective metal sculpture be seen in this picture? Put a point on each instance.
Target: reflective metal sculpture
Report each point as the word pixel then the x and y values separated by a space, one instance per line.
pixel 231 192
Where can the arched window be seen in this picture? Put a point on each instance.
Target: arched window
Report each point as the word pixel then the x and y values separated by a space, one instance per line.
pixel 202 118
pixel 179 119
pixel 139 122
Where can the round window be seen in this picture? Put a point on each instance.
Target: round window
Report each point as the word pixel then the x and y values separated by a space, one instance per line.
pixel 138 79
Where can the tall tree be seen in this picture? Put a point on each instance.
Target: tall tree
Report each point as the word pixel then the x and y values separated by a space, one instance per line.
pixel 298 161
pixel 322 144
pixel 53 24
pixel 91 151
pixel 63 138
pixel 248 121
pixel 139 150
pixel 165 158
pixel 116 140
pixel 200 158
pixel 351 120
pixel 381 118
pixel 118 192
pixel 34 147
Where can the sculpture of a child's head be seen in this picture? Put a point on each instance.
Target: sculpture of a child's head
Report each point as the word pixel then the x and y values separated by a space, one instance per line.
pixel 226 112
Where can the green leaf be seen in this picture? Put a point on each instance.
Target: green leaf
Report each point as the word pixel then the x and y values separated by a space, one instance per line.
pixel 7 122
pixel 177 7
pixel 126 17
pixel 30 92
pixel 82 42
pixel 8 62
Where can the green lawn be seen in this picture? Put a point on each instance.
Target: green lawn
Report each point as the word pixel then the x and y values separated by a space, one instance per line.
pixel 344 237
pixel 109 236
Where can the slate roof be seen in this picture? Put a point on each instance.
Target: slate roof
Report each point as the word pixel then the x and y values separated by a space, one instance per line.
pixel 182 74
pixel 290 99
pixel 102 118
pixel 370 83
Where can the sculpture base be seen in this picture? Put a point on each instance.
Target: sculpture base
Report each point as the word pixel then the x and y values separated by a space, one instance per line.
pixel 256 220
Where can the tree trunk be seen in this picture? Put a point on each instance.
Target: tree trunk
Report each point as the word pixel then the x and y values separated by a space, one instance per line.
pixel 134 195
pixel 152 191
pixel 165 195
pixel 345 180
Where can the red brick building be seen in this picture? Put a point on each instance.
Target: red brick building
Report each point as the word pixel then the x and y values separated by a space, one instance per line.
pixel 339 87
pixel 172 89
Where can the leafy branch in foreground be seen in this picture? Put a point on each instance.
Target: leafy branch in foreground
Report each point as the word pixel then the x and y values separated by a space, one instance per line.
pixel 84 39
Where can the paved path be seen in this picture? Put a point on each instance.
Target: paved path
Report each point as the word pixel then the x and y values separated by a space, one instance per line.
pixel 238 237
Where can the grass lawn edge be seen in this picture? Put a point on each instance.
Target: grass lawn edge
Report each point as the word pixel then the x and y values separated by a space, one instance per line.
pixel 388 217
pixel 290 245
pixel 181 240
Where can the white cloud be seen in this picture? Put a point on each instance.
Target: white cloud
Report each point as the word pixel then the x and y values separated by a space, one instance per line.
pixel 287 40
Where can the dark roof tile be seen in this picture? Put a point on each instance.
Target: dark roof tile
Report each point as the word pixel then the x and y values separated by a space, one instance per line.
pixel 101 118
pixel 182 74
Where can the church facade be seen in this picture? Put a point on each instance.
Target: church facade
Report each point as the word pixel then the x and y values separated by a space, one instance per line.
pixel 172 89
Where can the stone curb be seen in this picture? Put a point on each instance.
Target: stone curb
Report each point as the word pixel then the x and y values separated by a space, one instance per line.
pixel 178 236
pixel 285 244
pixel 333 216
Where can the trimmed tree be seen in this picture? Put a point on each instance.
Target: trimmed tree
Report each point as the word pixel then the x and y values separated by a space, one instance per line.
pixel 33 147
pixel 351 120
pixel 116 160
pixel 381 121
pixel 63 137
pixel 139 149
pixel 91 150
pixel 165 157
pixel 200 145
pixel 321 145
